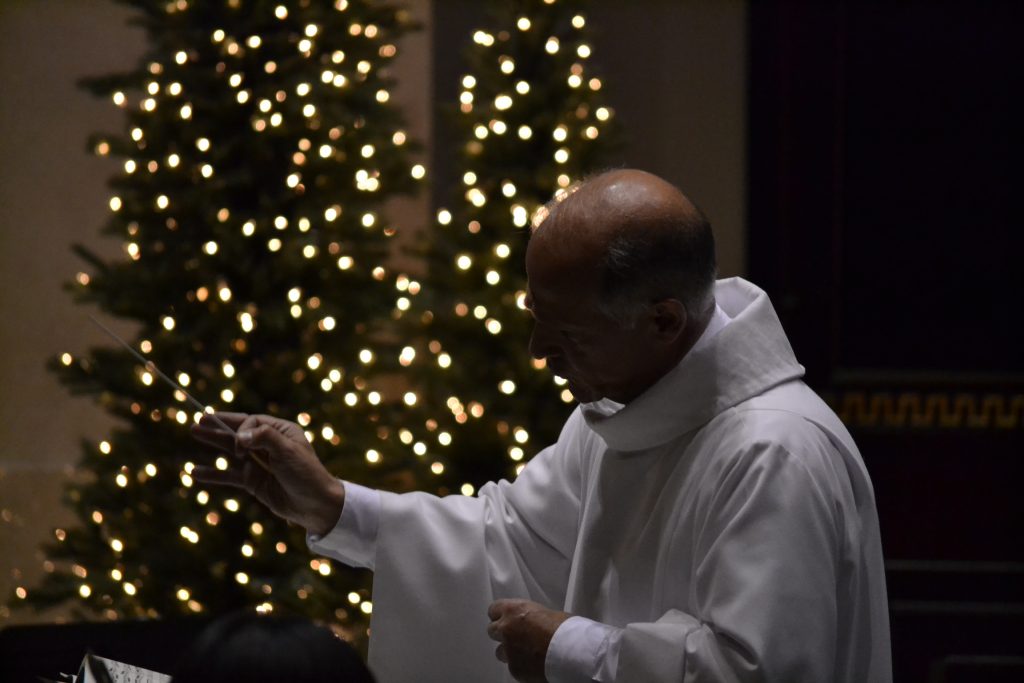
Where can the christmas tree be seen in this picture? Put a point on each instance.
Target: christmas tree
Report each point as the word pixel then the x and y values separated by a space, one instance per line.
pixel 532 122
pixel 259 146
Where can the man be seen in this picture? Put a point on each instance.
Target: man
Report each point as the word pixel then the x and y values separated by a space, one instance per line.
pixel 702 517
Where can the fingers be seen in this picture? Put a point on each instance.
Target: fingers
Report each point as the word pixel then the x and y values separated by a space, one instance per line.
pixel 497 609
pixel 232 420
pixel 211 475
pixel 260 434
pixel 213 436
pixel 211 432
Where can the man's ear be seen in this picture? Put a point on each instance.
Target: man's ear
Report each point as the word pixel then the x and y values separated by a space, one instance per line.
pixel 669 319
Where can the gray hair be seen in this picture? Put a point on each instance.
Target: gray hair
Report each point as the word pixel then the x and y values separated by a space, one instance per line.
pixel 642 267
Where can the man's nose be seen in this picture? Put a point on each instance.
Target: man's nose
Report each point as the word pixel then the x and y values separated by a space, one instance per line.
pixel 541 343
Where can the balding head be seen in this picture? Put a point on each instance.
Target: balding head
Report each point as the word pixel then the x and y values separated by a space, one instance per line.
pixel 646 239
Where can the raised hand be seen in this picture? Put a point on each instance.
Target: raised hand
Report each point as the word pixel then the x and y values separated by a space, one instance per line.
pixel 295 485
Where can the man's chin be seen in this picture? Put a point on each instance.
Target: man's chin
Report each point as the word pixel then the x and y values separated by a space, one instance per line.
pixel 583 394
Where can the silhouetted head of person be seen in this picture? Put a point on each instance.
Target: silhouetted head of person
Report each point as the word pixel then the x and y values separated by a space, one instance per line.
pixel 251 648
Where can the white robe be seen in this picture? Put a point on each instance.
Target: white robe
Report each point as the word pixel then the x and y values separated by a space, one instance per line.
pixel 723 519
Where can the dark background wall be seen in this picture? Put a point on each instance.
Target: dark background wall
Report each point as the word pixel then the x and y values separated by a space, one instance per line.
pixel 885 148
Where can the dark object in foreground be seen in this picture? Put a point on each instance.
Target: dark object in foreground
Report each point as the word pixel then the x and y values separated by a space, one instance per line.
pixel 255 649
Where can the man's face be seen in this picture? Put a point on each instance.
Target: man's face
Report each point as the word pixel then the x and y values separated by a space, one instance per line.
pixel 596 355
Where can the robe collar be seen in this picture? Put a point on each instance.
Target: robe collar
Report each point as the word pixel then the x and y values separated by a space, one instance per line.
pixel 744 358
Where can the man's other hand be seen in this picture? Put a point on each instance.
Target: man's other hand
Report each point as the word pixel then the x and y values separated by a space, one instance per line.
pixel 524 630
pixel 295 485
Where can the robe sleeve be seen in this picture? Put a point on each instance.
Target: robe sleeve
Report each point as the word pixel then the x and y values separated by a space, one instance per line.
pixel 440 562
pixel 767 554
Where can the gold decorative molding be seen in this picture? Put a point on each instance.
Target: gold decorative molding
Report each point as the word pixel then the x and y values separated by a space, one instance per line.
pixel 920 410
